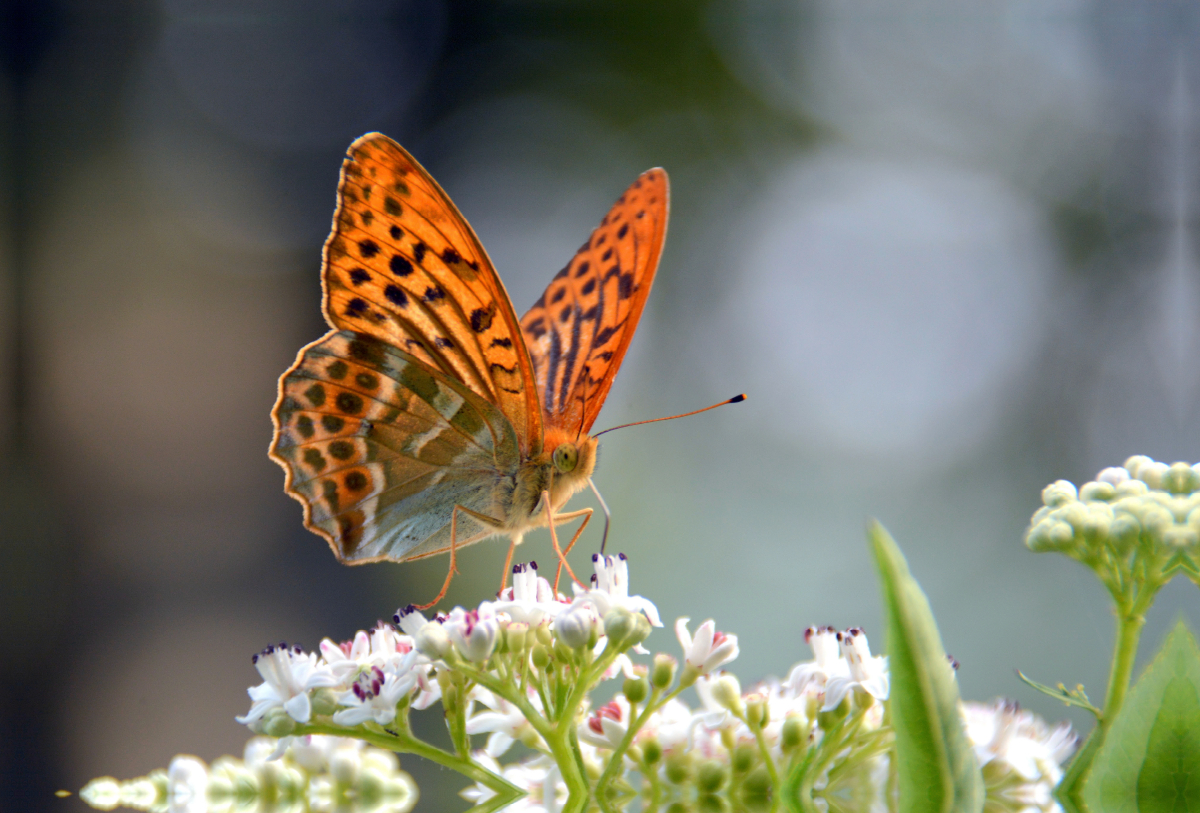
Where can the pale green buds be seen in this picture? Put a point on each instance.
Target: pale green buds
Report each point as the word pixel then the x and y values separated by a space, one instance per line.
pixel 757 714
pixel 635 689
pixel 625 628
pixel 324 702
pixel 433 642
pixel 728 692
pixel 710 776
pixel 277 723
pixel 662 673
pixel 1145 509
pixel 793 734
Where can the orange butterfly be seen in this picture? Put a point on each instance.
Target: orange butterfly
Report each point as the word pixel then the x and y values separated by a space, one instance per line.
pixel 429 418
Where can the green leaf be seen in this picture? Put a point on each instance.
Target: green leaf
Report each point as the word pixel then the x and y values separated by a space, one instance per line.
pixel 935 766
pixel 1150 759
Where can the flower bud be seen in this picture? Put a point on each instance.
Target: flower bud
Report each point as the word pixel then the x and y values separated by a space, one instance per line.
pixel 663 671
pixel 744 757
pixel 620 625
pixel 635 689
pixel 757 713
pixel 1059 493
pixel 793 734
pixel 577 626
pixel 474 632
pixel 711 803
pixel 651 751
pixel 277 723
pixel 678 768
pixel 757 782
pixel 432 641
pixel 710 776
pixel 728 692
pixel 516 634
pixel 540 656
pixel 324 702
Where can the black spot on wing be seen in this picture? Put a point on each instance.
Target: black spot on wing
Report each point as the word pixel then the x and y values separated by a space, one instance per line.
pixel 481 319
pixel 368 248
pixel 356 307
pixel 434 293
pixel 501 343
pixel 396 296
pixel 625 286
pixel 400 265
pixel 341 450
pixel 304 426
pixel 337 369
pixel 588 286
pixel 443 342
pixel 623 231
pixel 314 459
pixel 558 295
pixel 315 395
pixel 391 206
pixel 418 251
pixel 332 423
pixel 583 268
pixel 396 232
pixel 359 275
pixel 565 314
pixel 367 217
pixel 349 403
pixel 537 328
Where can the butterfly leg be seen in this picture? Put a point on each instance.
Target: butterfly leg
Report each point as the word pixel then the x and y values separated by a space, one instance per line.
pixel 586 513
pixel 550 520
pixel 484 520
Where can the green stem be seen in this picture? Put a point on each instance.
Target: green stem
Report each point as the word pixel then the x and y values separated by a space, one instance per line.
pixel 405 743
pixel 772 769
pixel 1130 619
pixel 1129 629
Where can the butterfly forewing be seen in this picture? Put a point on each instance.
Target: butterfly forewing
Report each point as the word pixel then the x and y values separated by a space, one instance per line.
pixel 380 448
pixel 578 331
pixel 403 265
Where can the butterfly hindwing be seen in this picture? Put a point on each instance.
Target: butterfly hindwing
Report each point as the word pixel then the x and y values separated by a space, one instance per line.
pixel 578 331
pixel 380 447
pixel 403 265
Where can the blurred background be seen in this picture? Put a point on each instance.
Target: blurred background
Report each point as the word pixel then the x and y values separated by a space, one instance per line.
pixel 949 253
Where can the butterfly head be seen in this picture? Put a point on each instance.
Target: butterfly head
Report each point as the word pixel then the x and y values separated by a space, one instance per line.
pixel 573 461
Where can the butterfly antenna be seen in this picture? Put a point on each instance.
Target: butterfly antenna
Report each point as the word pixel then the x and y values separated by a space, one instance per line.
pixel 607 515
pixel 734 400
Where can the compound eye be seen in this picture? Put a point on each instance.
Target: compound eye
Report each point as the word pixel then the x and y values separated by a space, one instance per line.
pixel 566 457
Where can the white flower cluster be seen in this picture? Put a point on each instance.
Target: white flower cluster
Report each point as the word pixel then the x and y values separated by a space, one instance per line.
pixel 1020 755
pixel 368 678
pixel 785 713
pixel 317 774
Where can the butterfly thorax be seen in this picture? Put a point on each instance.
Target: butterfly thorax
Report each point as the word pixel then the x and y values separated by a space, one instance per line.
pixel 563 469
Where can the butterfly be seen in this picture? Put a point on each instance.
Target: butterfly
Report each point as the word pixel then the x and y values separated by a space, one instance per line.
pixel 429 417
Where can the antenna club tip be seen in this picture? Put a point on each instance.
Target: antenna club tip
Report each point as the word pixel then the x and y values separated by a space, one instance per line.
pixel 737 399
